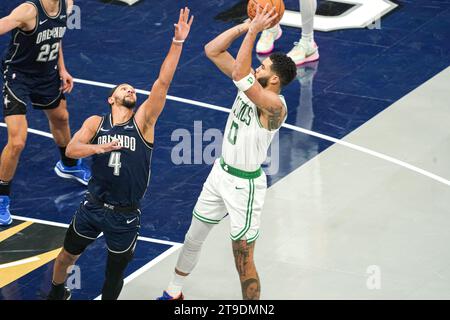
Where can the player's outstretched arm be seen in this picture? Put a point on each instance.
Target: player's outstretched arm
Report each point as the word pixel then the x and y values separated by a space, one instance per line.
pixel 149 111
pixel 18 18
pixel 268 102
pixel 216 49
pixel 80 147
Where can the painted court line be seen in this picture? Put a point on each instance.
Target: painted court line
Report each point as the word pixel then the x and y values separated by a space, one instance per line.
pixel 38 132
pixel 65 225
pixel 287 126
pixel 371 152
pixel 18 263
pixel 169 97
pixel 49 223
pixel 294 128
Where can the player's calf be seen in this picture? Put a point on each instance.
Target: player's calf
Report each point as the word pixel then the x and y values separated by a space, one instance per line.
pixel 245 265
pixel 114 274
pixel 62 262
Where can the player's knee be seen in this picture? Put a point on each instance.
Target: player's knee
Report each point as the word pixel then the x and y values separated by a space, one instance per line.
pixel 17 145
pixel 66 258
pixel 61 119
pixel 120 258
pixel 191 243
pixel 117 263
pixel 189 255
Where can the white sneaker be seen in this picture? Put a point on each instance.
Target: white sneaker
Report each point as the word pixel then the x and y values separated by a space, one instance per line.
pixel 304 52
pixel 265 43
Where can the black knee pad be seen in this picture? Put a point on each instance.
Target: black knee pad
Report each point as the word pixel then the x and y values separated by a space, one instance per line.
pixel 74 243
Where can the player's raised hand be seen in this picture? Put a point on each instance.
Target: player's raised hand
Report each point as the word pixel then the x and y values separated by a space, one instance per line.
pixel 263 19
pixel 183 26
pixel 107 147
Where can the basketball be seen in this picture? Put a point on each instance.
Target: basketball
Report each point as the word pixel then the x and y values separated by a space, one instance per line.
pixel 253 5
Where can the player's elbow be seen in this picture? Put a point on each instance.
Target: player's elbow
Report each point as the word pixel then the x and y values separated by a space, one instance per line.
pixel 209 51
pixel 71 151
pixel 212 51
pixel 162 84
pixel 236 75
pixel 4 27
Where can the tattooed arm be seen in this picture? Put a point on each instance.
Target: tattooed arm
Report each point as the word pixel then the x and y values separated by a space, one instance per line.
pixel 272 116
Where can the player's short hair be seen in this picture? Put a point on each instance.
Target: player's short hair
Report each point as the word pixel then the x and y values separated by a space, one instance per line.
pixel 111 93
pixel 284 67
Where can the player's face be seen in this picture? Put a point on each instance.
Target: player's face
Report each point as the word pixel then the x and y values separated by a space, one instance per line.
pixel 126 95
pixel 264 72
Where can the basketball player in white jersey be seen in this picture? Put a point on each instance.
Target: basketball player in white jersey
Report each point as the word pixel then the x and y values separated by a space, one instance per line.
pixel 305 50
pixel 237 185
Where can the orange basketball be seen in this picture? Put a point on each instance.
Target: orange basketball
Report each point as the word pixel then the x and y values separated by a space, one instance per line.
pixel 278 4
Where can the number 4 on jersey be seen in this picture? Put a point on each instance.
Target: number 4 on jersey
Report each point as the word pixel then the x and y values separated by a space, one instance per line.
pixel 114 162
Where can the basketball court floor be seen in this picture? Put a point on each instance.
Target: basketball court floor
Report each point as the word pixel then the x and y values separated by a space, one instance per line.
pixel 359 182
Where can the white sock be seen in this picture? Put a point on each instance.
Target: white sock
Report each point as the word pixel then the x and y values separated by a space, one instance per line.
pixel 306 41
pixel 176 285
pixel 274 30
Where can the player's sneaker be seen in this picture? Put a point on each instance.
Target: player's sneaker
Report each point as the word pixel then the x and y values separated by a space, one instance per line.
pixel 265 43
pixel 5 215
pixel 304 52
pixel 80 172
pixel 167 296
pixel 66 296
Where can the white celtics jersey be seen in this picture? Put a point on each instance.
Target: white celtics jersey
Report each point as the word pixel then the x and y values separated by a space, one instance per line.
pixel 246 141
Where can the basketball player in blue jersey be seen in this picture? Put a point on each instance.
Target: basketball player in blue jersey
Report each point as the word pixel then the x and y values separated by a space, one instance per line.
pixel 121 144
pixel 34 71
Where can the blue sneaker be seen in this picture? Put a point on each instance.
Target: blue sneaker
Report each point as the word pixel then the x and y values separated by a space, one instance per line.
pixel 167 296
pixel 80 172
pixel 5 216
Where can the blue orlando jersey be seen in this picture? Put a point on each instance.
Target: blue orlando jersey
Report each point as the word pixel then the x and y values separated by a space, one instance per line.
pixel 121 177
pixel 37 51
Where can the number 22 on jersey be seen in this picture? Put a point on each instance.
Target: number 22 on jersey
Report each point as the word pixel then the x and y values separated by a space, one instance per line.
pixel 48 53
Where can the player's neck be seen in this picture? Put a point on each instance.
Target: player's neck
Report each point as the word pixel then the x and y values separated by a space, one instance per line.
pixel 51 6
pixel 121 114
pixel 275 89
